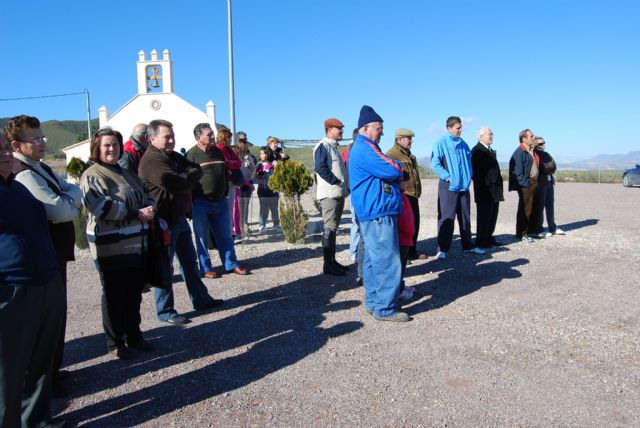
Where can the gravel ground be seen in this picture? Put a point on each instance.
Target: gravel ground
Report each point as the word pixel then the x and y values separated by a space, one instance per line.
pixel 541 334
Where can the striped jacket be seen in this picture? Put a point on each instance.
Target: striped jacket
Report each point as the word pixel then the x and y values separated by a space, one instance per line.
pixel 113 196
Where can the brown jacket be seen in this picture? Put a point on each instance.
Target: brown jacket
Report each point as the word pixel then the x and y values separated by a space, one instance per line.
pixel 410 165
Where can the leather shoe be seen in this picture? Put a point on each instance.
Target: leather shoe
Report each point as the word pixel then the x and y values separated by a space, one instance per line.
pixel 211 275
pixel 177 320
pixel 141 345
pixel 122 352
pixel 214 303
pixel 240 271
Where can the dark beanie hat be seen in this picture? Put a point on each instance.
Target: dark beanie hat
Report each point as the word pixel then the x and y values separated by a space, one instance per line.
pixel 368 115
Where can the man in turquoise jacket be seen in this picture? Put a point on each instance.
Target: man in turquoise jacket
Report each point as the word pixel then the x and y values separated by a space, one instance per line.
pixel 375 195
pixel 451 161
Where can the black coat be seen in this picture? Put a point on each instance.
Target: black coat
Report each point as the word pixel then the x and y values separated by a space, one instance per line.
pixel 487 180
pixel 547 167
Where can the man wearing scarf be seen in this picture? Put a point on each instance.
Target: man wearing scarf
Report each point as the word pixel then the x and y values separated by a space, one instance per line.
pixel 523 178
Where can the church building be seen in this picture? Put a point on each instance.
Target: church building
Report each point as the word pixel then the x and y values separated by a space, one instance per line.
pixel 155 100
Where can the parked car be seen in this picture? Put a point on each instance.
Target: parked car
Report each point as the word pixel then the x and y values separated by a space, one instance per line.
pixel 631 177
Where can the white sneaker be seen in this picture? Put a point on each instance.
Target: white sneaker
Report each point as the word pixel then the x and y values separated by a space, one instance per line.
pixel 441 255
pixel 541 235
pixel 548 235
pixel 527 239
pixel 475 250
pixel 262 230
pixel 559 232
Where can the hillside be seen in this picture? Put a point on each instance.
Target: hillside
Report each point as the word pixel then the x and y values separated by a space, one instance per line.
pixel 62 133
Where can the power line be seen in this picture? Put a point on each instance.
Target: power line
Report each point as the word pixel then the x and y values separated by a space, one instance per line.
pixel 42 96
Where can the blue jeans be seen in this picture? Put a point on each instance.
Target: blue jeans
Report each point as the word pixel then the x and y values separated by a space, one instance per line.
pixel 182 246
pixel 382 269
pixel 213 216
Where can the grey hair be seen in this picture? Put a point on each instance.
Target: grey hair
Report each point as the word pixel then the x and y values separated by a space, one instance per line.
pixel 154 125
pixel 197 131
pixel 482 130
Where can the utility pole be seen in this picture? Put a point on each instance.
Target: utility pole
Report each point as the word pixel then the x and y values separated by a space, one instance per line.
pixel 232 100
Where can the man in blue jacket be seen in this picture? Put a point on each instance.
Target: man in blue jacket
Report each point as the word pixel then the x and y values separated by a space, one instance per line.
pixel 375 195
pixel 451 161
pixel 523 178
pixel 31 302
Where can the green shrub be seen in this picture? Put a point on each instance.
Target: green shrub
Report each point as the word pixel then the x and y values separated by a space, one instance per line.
pixel 76 167
pixel 291 179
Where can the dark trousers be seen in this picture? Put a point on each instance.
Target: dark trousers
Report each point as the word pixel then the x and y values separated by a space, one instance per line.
pixel 30 326
pixel 450 205
pixel 415 208
pixel 547 197
pixel 59 354
pixel 121 297
pixel 526 216
pixel 486 218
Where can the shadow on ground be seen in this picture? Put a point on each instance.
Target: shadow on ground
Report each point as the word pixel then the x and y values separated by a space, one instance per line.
pixel 275 328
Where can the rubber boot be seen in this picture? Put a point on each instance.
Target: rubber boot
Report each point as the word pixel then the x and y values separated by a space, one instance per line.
pixel 332 243
pixel 328 253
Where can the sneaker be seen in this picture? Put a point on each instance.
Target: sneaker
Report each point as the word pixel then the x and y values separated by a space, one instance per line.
pixel 277 229
pixel 441 255
pixel 527 239
pixel 559 231
pixel 262 230
pixel 475 250
pixel 210 275
pixel 541 235
pixel 548 235
pixel 395 317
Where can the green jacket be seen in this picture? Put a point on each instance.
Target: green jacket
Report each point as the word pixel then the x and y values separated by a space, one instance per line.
pixel 410 165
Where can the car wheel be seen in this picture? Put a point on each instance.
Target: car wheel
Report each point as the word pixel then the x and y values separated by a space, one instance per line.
pixel 626 180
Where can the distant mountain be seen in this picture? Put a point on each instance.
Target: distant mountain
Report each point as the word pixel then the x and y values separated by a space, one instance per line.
pixel 604 162
pixel 62 133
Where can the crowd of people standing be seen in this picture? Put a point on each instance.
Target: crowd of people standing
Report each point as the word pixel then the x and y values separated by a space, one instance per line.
pixel 142 187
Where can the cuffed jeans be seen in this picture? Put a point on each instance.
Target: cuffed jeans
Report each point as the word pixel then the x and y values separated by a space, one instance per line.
pixel 182 246
pixel 213 216
pixel 382 269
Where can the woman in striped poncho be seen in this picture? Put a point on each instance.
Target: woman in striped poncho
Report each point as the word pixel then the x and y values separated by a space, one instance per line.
pixel 120 209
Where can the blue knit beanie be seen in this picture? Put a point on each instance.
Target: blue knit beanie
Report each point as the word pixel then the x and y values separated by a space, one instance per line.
pixel 368 115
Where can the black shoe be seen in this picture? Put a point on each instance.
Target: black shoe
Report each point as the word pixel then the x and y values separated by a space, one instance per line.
pixel 339 266
pixel 122 352
pixel 177 320
pixel 60 375
pixel 214 303
pixel 141 345
pixel 331 269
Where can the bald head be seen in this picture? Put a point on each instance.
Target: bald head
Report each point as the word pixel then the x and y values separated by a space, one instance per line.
pixel 139 134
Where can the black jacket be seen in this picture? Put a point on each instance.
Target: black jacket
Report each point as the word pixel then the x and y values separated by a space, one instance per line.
pixel 487 180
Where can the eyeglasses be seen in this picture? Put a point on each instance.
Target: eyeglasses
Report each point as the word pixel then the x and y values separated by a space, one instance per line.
pixel 37 140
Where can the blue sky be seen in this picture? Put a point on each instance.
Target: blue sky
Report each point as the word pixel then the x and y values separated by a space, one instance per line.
pixel 567 70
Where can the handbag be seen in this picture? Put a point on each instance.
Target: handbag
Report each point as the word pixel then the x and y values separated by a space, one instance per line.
pixel 157 263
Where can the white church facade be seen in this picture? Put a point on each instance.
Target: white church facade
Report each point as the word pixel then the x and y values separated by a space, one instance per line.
pixel 155 100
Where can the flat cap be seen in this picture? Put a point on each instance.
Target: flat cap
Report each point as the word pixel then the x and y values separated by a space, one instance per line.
pixel 404 132
pixel 333 122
